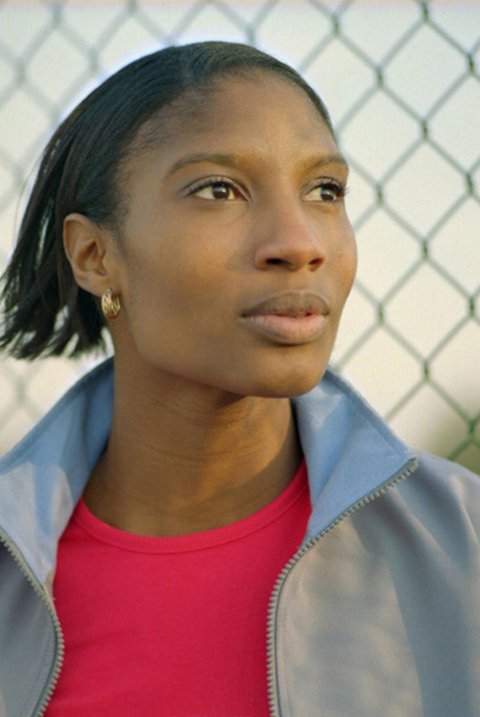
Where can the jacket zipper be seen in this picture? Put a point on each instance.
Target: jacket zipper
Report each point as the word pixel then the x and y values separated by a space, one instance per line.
pixel 272 686
pixel 40 590
pixel 272 609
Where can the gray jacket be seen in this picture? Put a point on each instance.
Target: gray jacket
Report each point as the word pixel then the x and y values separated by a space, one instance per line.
pixel 378 614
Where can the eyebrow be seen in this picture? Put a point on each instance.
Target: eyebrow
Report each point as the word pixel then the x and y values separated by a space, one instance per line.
pixel 229 160
pixel 328 159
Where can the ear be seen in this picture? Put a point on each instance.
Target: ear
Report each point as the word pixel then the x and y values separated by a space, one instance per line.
pixel 91 253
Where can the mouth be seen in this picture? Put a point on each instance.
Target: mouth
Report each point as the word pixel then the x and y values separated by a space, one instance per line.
pixel 291 318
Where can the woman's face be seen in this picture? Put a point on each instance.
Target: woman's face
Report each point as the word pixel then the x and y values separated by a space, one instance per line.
pixel 237 254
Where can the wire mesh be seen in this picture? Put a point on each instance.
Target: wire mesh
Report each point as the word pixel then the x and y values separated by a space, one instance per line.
pixel 402 82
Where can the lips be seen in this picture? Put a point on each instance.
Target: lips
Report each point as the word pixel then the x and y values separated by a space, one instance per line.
pixel 292 303
pixel 290 318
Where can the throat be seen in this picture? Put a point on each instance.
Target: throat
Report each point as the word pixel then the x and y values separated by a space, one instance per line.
pixel 156 492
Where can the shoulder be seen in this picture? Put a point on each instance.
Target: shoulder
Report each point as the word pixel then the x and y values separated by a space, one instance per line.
pixel 439 479
pixel 440 500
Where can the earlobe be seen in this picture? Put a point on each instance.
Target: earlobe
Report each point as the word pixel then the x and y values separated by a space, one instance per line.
pixel 86 247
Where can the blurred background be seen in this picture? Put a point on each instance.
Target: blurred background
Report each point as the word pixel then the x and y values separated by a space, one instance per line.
pixel 402 81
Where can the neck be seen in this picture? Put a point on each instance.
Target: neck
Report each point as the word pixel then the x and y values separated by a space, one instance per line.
pixel 183 458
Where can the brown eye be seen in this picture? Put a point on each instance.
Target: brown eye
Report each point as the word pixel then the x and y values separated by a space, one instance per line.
pixel 327 191
pixel 220 190
pixel 216 189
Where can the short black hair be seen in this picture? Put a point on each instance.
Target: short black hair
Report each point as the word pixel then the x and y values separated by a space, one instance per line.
pixel 45 312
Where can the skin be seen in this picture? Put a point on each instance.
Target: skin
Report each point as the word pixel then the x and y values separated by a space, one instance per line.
pixel 203 432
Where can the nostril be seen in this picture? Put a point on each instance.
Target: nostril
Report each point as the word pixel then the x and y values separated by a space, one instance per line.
pixel 274 262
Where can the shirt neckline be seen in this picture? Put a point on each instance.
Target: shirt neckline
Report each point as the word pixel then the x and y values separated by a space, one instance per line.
pixel 107 534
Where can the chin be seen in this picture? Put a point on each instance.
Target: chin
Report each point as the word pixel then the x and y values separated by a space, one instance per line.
pixel 285 384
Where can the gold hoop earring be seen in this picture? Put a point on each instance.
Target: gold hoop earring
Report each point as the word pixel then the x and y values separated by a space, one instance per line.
pixel 111 305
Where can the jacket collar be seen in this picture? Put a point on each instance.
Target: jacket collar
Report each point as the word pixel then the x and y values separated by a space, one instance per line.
pixel 350 453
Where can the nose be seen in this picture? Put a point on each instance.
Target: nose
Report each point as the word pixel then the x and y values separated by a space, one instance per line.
pixel 288 238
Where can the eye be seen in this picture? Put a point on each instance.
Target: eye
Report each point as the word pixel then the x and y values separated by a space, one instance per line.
pixel 215 189
pixel 327 190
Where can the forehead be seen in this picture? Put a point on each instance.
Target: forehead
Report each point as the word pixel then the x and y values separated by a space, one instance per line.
pixel 263 114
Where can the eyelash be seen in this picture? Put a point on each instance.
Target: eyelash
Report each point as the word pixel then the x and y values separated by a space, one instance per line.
pixel 211 182
pixel 338 188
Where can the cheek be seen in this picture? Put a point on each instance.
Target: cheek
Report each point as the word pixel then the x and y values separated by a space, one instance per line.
pixel 157 273
pixel 351 262
pixel 346 266
pixel 172 294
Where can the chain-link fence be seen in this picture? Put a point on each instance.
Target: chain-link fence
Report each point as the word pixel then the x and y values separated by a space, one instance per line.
pixel 402 82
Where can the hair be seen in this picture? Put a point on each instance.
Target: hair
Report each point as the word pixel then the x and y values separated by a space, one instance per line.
pixel 46 312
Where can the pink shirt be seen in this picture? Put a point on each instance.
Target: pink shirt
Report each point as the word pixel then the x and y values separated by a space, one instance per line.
pixel 171 626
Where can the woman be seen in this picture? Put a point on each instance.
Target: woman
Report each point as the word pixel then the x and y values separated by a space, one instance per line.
pixel 194 203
